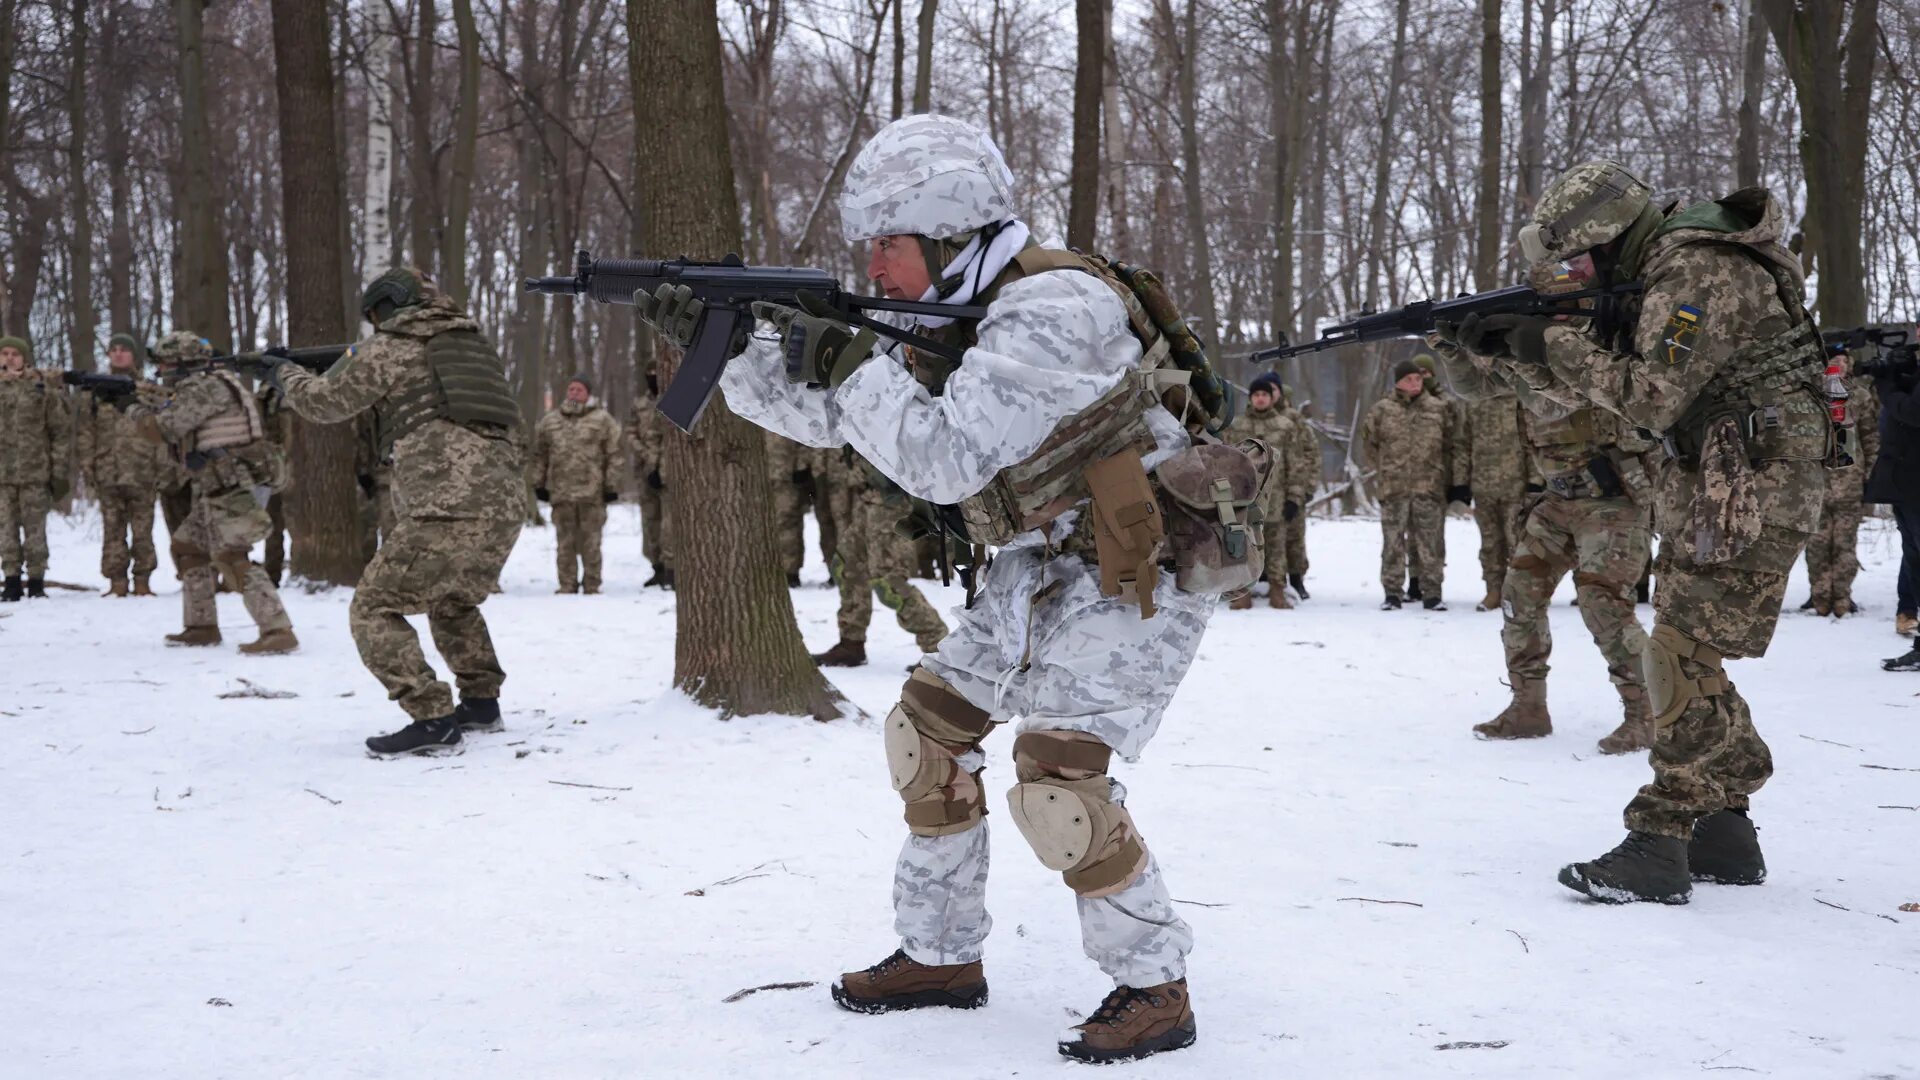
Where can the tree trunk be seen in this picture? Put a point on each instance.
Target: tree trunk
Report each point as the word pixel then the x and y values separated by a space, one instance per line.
pixel 80 232
pixel 923 60
pixel 424 222
pixel 203 247
pixel 1536 64
pixel 466 133
pixel 1378 240
pixel 117 74
pixel 1489 245
pixel 1203 312
pixel 527 354
pixel 899 59
pixel 1083 182
pixel 737 648
pixel 1831 60
pixel 1114 144
pixel 323 506
pixel 1753 86
pixel 382 51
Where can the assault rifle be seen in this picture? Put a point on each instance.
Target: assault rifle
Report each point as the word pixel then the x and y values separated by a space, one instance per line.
pixel 1421 318
pixel 1884 350
pixel 115 390
pixel 315 358
pixel 728 289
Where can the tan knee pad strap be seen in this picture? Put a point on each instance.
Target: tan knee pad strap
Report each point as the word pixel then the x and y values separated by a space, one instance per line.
pixel 940 711
pixel 925 733
pixel 1064 807
pixel 1670 688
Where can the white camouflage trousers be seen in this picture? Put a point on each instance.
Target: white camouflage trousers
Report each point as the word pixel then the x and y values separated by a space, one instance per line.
pixel 1097 667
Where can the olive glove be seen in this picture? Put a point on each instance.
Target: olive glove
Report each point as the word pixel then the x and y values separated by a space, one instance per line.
pixel 1517 337
pixel 821 350
pixel 671 310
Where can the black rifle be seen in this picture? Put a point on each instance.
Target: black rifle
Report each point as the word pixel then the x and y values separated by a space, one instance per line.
pixel 1883 350
pixel 115 390
pixel 1419 319
pixel 315 358
pixel 729 289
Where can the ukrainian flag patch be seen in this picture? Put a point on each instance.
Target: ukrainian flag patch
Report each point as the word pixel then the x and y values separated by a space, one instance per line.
pixel 1688 314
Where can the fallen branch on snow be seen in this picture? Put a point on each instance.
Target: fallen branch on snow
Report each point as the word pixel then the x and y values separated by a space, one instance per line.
pixel 1523 942
pixel 738 995
pixel 252 691
pixel 1829 742
pixel 1197 903
pixel 1371 900
pixel 334 801
pixel 745 875
pixel 1889 768
pixel 142 731
pixel 1494 1045
pixel 596 787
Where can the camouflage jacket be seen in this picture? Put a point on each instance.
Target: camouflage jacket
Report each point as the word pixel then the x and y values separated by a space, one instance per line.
pixel 1713 300
pixel 34 424
pixel 1303 457
pixel 576 449
pixel 111 451
pixel 646 435
pixel 198 400
pixel 1863 405
pixel 1275 427
pixel 1411 443
pixel 1497 460
pixel 441 469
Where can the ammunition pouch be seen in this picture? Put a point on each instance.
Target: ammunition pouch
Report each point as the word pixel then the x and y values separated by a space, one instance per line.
pixel 1128 529
pixel 1214 524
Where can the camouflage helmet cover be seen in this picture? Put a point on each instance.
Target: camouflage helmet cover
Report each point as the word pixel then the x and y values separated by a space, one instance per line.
pixel 181 347
pixel 927 175
pixel 1589 204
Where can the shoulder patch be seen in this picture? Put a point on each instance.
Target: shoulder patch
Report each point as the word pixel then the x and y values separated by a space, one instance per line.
pixel 1682 331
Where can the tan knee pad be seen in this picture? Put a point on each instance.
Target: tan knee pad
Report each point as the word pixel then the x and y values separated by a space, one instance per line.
pixel 1064 806
pixel 1668 685
pixel 233 568
pixel 925 733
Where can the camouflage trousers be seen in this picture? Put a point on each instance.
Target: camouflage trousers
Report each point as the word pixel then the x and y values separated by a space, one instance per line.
pixel 274 557
pixel 376 516
pixel 23 528
pixel 217 537
pixel 444 569
pixel 1297 544
pixel 577 525
pixel 789 508
pixel 1416 522
pixel 1273 534
pixel 656 526
pixel 126 522
pixel 1094 666
pixel 873 559
pixel 1604 543
pixel 1833 554
pixel 1710 757
pixel 1500 524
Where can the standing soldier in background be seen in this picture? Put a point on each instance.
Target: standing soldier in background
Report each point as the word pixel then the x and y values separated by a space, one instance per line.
pixel 1263 419
pixel 576 449
pixel 34 425
pixel 1303 466
pixel 873 558
pixel 1833 553
pixel 646 436
pixel 1717 355
pixel 213 425
pixel 375 478
pixel 124 471
pixel 450 425
pixel 785 479
pixel 1501 472
pixel 1409 439
pixel 279 427
pixel 822 464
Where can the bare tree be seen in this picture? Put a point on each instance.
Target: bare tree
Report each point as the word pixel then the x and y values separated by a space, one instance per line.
pixel 1083 207
pixel 923 58
pixel 1486 209
pixel 466 135
pixel 202 286
pixel 80 229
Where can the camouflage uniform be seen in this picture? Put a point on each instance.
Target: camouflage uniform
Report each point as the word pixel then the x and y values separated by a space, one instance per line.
pixel 1410 443
pixel 823 472
pixel 34 425
pixel 1833 552
pixel 459 499
pixel 279 425
pixel 646 437
pixel 213 425
pixel 1275 428
pixel 1499 471
pixel 873 558
pixel 576 449
pixel 124 471
pixel 375 479
pixel 1303 455
pixel 1040 640
pixel 789 506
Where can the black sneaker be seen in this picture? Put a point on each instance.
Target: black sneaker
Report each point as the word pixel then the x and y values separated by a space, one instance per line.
pixel 1391 603
pixel 479 714
pixel 1725 850
pixel 1909 662
pixel 1432 603
pixel 1299 583
pixel 1645 866
pixel 419 737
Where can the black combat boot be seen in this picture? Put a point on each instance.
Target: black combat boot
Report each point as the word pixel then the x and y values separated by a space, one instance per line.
pixel 1725 851
pixel 37 587
pixel 652 580
pixel 793 580
pixel 419 737
pixel 1909 662
pixel 11 591
pixel 843 654
pixel 479 714
pixel 1413 589
pixel 1433 603
pixel 1646 866
pixel 1299 583
pixel 666 579
pixel 1391 603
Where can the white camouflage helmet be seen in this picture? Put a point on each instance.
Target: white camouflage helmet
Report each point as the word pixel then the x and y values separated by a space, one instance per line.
pixel 926 175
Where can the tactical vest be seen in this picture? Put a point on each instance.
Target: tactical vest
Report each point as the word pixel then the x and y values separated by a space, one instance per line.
pixel 463 382
pixel 1610 457
pixel 237 427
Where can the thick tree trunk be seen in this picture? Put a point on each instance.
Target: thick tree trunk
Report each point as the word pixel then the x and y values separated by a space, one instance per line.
pixel 423 245
pixel 528 328
pixel 466 132
pixel 202 284
pixel 899 59
pixel 377 211
pixel 923 59
pixel 1083 182
pixel 323 507
pixel 1114 145
pixel 80 231
pixel 1183 36
pixel 1753 86
pixel 1378 240
pixel 1536 64
pixel 737 648
pixel 1489 245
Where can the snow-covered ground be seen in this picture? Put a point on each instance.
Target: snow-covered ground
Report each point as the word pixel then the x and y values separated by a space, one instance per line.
pixel 196 884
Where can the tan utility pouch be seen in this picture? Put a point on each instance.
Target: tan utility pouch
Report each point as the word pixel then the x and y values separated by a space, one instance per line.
pixel 1128 530
pixel 1213 514
pixel 1724 519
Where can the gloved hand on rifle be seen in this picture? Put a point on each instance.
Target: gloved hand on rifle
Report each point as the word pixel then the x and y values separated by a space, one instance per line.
pixel 821 350
pixel 270 362
pixel 672 310
pixel 1517 337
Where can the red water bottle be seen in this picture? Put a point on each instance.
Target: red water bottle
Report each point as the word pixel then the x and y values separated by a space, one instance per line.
pixel 1837 391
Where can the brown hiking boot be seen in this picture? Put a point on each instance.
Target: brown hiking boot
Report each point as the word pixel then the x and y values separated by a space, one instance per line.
pixel 1822 608
pixel 1278 599
pixel 1133 1023
pixel 843 654
pixel 142 586
pixel 1491 602
pixel 272 642
pixel 116 587
pixel 901 982
pixel 1243 602
pixel 196 635
pixel 1636 730
pixel 1525 718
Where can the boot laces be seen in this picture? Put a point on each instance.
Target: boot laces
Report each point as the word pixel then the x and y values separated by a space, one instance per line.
pixel 1117 1004
pixel 887 966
